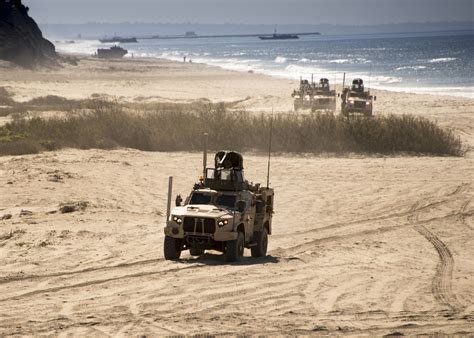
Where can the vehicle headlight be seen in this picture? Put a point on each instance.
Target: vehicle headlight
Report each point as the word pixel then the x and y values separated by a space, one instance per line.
pixel 368 103
pixel 177 219
pixel 297 96
pixel 222 223
pixel 307 97
pixel 351 101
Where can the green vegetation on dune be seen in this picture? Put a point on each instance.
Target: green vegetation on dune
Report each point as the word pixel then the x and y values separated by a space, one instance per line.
pixel 179 127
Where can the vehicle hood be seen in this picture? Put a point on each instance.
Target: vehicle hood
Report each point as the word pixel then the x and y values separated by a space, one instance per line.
pixel 201 210
pixel 360 99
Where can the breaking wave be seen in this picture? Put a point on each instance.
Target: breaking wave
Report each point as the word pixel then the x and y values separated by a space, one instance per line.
pixel 438 60
pixel 411 68
pixel 280 59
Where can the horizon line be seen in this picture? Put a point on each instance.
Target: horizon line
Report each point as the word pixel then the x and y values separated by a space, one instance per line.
pixel 257 24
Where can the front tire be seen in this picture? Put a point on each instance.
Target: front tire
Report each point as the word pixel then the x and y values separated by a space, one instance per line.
pixel 235 249
pixel 260 250
pixel 172 248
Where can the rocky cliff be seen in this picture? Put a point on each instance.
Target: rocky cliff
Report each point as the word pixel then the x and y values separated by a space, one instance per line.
pixel 21 40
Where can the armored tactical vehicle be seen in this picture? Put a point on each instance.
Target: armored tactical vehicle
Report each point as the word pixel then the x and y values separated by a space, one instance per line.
pixel 356 100
pixel 323 97
pixel 223 212
pixel 303 96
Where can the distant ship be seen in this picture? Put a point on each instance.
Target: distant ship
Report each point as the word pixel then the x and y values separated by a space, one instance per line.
pixel 119 39
pixel 276 36
pixel 114 52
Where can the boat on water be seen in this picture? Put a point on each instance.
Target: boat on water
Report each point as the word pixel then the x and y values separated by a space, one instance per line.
pixel 276 36
pixel 114 52
pixel 119 39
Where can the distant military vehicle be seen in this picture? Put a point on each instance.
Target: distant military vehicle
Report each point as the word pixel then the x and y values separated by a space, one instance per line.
pixel 114 52
pixel 323 98
pixel 356 100
pixel 223 212
pixel 303 96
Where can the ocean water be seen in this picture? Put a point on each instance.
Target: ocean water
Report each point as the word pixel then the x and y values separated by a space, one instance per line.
pixel 437 63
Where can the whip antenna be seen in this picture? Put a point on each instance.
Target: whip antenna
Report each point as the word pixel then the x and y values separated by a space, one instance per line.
pixel 205 142
pixel 269 150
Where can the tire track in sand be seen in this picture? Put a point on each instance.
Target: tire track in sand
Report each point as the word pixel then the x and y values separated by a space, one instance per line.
pixel 99 281
pixel 441 286
pixel 6 280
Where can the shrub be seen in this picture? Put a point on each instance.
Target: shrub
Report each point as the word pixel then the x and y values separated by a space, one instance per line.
pixel 167 127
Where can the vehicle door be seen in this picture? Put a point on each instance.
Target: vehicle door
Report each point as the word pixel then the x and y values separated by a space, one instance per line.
pixel 249 214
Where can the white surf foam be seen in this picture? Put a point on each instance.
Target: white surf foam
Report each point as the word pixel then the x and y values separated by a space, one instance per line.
pixel 280 59
pixel 438 60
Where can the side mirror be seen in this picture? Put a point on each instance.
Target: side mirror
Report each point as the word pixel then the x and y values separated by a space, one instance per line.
pixel 338 94
pixel 375 98
pixel 179 200
pixel 241 206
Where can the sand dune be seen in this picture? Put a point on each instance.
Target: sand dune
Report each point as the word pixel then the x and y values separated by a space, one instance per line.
pixel 361 245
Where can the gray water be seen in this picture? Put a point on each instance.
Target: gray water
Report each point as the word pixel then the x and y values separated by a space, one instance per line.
pixel 436 63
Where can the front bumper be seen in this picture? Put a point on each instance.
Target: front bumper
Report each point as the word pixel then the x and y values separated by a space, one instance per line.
pixel 218 236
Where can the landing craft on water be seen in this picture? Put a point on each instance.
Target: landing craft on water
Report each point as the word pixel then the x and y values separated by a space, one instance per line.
pixel 118 39
pixel 114 52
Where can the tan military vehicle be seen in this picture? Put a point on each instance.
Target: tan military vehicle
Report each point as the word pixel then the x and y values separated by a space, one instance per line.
pixel 356 100
pixel 303 96
pixel 223 212
pixel 323 97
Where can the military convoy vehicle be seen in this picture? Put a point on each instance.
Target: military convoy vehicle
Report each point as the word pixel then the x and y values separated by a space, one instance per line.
pixel 323 98
pixel 356 100
pixel 314 96
pixel 223 212
pixel 302 96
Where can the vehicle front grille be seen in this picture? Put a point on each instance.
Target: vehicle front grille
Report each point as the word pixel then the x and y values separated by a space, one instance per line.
pixel 359 104
pixel 199 225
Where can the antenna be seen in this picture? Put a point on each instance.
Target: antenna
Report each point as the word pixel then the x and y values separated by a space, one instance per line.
pixel 370 75
pixel 168 204
pixel 204 155
pixel 269 150
pixel 343 81
pixel 312 78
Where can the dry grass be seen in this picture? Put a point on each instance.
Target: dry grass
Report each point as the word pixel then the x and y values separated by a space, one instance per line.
pixel 178 127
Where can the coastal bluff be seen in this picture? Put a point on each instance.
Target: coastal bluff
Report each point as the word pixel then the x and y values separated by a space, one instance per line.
pixel 21 40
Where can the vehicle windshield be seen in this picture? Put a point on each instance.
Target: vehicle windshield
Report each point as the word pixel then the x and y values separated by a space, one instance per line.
pixel 200 198
pixel 361 95
pixel 227 201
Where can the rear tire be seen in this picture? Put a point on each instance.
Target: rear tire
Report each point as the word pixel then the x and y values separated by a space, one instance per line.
pixel 235 249
pixel 196 251
pixel 260 250
pixel 172 248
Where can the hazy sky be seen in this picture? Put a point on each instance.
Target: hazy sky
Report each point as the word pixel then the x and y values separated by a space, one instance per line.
pixel 352 12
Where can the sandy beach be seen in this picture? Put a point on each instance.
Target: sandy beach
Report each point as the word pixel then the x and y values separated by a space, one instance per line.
pixel 362 245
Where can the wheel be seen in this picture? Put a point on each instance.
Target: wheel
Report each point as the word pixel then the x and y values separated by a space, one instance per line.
pixel 260 250
pixel 196 251
pixel 235 249
pixel 172 248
